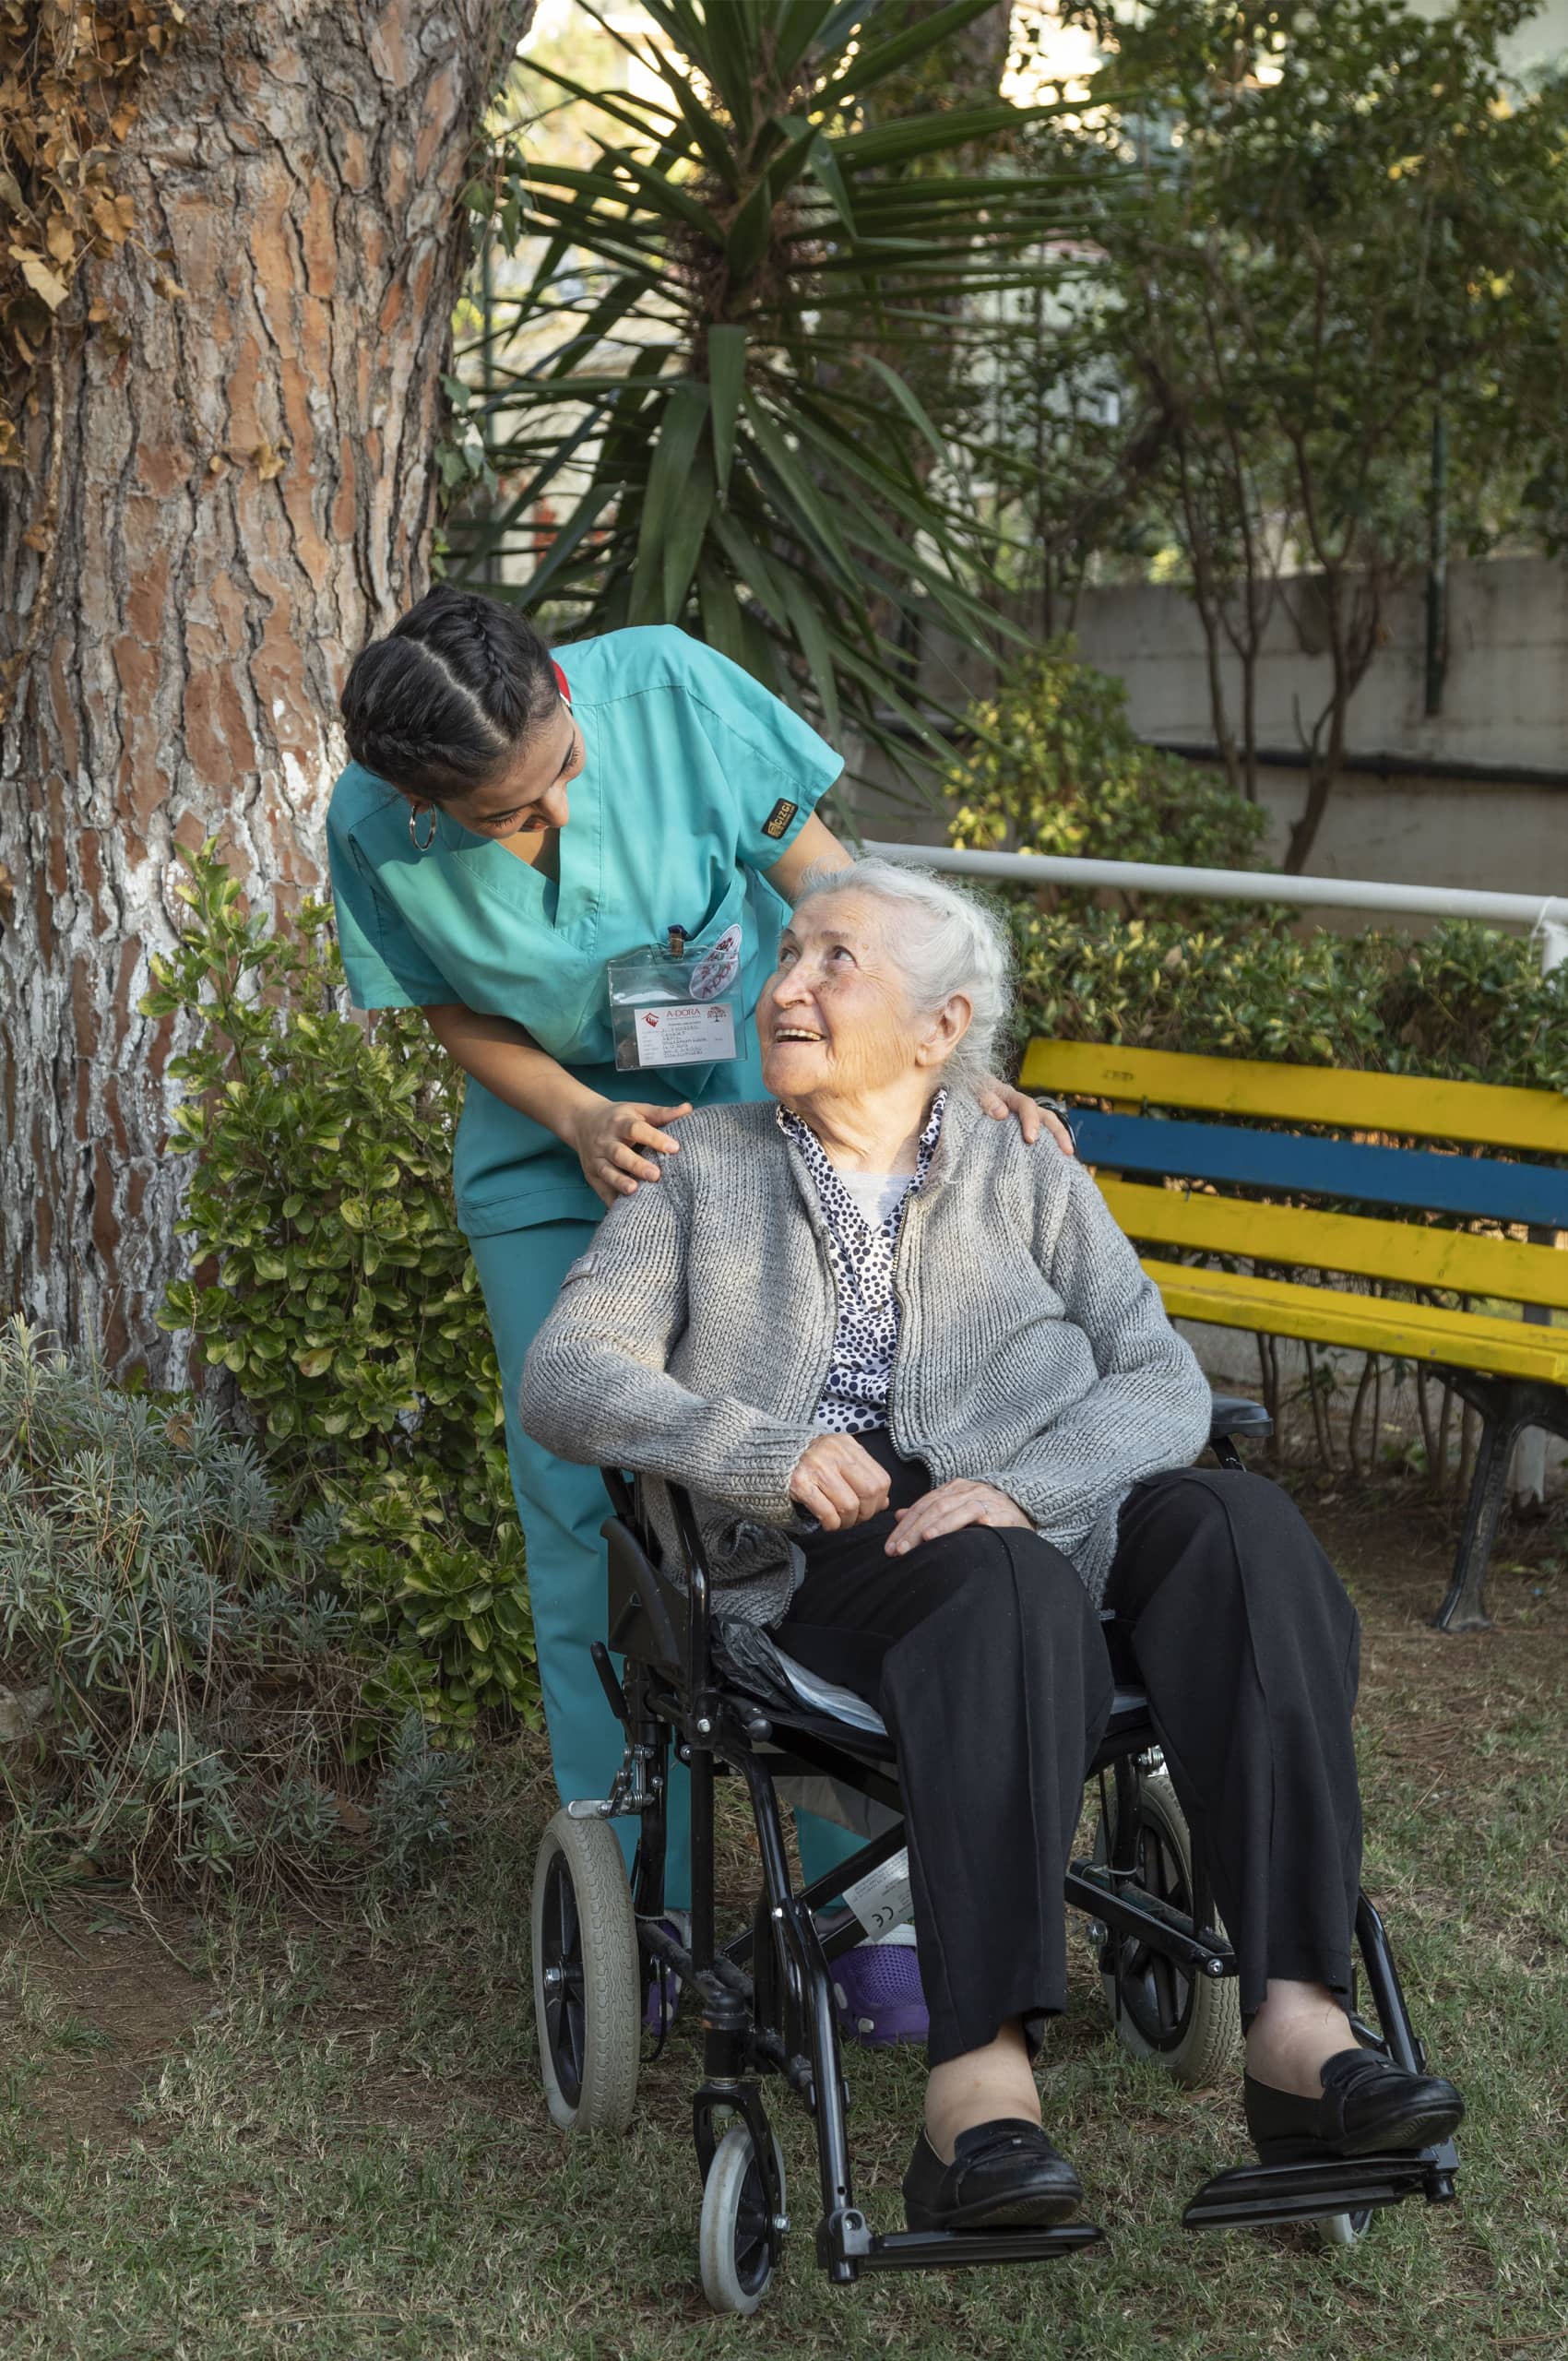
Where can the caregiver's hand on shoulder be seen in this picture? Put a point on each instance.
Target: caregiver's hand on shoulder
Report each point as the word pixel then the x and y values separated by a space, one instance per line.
pixel 948 1510
pixel 836 1481
pixel 610 1135
pixel 1000 1099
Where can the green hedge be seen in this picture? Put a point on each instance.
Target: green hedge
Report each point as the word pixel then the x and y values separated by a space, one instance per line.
pixel 330 1280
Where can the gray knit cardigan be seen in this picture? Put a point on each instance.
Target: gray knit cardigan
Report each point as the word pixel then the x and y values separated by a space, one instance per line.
pixel 693 1340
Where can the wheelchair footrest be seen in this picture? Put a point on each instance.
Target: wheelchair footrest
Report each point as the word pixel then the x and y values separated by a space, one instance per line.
pixel 846 2238
pixel 1260 2194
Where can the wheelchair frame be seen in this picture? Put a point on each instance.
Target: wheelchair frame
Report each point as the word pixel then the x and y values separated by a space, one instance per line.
pixel 766 1999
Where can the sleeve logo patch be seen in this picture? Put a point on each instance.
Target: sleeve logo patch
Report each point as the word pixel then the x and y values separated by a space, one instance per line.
pixel 585 1265
pixel 778 819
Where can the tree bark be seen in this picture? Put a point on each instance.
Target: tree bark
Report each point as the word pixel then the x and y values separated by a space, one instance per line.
pixel 246 494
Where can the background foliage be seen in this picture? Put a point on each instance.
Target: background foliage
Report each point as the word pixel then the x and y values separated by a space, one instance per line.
pixel 331 1281
pixel 713 367
pixel 1055 766
pixel 1319 340
pixel 178 1657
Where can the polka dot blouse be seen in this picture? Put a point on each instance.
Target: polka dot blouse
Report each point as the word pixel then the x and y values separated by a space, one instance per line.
pixel 860 1248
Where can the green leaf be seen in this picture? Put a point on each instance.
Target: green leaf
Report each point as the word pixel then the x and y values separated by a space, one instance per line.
pixel 670 488
pixel 726 380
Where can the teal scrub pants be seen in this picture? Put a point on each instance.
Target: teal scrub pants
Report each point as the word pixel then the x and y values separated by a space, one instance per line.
pixel 561 1507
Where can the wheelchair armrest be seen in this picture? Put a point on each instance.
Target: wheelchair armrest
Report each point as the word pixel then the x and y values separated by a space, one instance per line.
pixel 1233 1415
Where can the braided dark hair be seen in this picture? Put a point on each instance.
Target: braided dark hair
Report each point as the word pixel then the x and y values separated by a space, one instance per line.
pixel 454 691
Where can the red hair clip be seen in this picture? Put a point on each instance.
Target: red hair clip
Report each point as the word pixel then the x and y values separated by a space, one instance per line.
pixel 561 680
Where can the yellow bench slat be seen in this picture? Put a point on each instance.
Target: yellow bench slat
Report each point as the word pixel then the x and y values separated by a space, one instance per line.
pixel 1407 1106
pixel 1408 1254
pixel 1370 1324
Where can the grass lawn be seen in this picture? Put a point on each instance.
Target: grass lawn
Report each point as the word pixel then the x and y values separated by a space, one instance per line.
pixel 245 2137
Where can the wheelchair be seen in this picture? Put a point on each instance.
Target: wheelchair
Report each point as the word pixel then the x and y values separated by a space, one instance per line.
pixel 765 1995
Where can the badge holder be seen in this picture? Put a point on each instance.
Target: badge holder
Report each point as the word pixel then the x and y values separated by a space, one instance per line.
pixel 669 1006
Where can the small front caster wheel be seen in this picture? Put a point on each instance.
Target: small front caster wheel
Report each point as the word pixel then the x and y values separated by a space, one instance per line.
pixel 586 1977
pixel 734 2243
pixel 1343 2229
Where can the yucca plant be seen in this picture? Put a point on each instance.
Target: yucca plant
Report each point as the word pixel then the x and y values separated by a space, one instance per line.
pixel 709 369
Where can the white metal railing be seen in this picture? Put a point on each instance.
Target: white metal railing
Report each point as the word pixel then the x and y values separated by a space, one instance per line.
pixel 1544 915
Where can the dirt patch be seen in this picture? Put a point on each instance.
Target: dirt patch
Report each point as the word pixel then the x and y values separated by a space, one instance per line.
pixel 91 2003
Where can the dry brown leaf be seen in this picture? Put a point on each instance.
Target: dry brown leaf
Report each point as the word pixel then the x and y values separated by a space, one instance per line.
pixel 353 1817
pixel 269 460
pixel 170 288
pixel 61 239
pixel 45 282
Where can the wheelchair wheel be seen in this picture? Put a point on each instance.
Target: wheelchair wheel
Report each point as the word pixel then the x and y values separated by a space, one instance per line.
pixel 1191 2025
pixel 587 1979
pixel 1343 2229
pixel 732 2244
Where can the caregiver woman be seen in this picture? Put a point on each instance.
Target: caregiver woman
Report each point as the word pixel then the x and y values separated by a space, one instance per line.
pixel 505 827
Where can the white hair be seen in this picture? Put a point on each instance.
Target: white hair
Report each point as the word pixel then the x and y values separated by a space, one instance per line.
pixel 944 940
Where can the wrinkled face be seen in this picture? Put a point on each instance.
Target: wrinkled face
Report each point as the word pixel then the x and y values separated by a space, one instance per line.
pixel 530 794
pixel 835 1017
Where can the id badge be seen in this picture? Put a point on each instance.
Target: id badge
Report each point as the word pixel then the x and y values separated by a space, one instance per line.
pixel 669 1006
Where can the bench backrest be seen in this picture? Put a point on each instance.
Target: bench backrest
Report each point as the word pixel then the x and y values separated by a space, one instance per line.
pixel 1296 1163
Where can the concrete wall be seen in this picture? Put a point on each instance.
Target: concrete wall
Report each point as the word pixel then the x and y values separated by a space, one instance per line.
pixel 1504 708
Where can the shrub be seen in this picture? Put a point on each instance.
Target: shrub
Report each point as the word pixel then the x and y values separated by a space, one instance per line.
pixel 192 1708
pixel 1464 1003
pixel 331 1281
pixel 1056 767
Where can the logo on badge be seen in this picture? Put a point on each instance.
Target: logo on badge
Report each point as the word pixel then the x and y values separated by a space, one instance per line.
pixel 778 819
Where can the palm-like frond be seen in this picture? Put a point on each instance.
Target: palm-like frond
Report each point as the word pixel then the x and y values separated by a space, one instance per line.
pixel 709 371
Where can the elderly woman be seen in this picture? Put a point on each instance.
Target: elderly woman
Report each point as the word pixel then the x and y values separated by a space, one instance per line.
pixel 962 1426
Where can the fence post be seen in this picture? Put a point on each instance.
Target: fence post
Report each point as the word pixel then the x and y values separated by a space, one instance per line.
pixel 1528 1479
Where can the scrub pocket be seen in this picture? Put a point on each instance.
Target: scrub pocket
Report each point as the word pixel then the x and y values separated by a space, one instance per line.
pixel 680 1003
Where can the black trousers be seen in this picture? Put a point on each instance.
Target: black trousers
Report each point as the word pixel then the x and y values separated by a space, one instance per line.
pixel 991 1666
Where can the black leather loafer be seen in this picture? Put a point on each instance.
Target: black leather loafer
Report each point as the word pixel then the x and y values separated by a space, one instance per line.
pixel 1369 2107
pixel 1005 2176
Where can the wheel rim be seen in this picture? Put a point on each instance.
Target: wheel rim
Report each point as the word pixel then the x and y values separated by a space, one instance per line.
pixel 561 1958
pixel 1152 1988
pixel 753 2258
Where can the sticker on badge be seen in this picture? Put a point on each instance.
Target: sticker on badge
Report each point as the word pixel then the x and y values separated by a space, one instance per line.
pixel 719 967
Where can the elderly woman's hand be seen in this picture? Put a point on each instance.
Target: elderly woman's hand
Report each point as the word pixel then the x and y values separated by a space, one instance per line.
pixel 1000 1101
pixel 836 1481
pixel 949 1509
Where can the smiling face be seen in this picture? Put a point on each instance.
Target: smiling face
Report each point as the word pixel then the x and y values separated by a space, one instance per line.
pixel 835 1019
pixel 530 795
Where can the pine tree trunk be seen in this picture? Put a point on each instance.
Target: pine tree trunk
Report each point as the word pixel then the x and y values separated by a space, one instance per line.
pixel 246 490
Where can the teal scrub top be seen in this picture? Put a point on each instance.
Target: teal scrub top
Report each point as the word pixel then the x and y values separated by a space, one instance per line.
pixel 696 780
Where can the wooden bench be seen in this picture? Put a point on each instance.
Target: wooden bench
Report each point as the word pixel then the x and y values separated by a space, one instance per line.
pixel 1242 1186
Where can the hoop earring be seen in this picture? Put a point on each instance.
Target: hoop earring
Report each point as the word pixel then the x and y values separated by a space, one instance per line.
pixel 413 827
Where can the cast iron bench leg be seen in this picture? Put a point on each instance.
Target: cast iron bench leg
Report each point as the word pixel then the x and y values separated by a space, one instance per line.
pixel 1464 1609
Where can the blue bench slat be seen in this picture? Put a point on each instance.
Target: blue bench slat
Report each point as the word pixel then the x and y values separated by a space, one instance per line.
pixel 1297 1165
